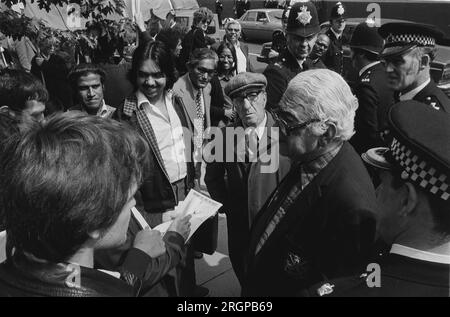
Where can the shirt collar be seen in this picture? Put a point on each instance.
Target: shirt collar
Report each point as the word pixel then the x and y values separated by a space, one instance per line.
pixel 102 108
pixel 141 98
pixel 338 36
pixel 411 94
pixel 419 254
pixel 367 67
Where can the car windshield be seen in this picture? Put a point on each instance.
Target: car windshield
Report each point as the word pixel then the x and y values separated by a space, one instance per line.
pixel 274 15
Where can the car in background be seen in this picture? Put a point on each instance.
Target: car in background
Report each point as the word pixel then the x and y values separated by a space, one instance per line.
pixel 440 66
pixel 260 24
pixel 184 19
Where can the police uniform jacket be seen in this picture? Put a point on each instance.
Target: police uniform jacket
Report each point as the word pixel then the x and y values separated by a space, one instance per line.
pixel 328 230
pixel 400 276
pixel 433 96
pixel 375 99
pixel 333 58
pixel 279 75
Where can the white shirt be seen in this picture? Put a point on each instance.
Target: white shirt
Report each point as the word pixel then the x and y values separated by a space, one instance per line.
pixel 241 59
pixel 419 254
pixel 169 134
pixel 367 67
pixel 411 94
pixel 105 111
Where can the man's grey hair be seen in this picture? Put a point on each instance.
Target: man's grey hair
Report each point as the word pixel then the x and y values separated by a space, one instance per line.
pixel 231 22
pixel 322 94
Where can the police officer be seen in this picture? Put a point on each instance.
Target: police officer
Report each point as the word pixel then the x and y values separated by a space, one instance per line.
pixel 333 59
pixel 414 201
pixel 407 55
pixel 374 96
pixel 301 32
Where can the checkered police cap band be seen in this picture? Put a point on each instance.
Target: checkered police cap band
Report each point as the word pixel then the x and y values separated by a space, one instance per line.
pixel 402 39
pixel 419 171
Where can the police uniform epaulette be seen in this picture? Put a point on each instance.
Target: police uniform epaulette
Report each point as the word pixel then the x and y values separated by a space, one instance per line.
pixel 433 101
pixel 366 77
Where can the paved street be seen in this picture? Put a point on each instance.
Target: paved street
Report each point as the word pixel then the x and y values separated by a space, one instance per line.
pixel 215 271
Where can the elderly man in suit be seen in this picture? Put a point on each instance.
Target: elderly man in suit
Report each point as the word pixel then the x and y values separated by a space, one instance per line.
pixel 195 91
pixel 232 35
pixel 243 177
pixel 320 222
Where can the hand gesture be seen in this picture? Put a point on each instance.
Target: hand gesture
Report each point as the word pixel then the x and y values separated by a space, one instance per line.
pixel 150 242
pixel 181 225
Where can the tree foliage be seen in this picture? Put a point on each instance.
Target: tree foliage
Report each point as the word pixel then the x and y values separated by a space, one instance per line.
pixel 95 9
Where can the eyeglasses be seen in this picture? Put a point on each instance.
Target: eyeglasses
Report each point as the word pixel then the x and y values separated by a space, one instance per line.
pixel 251 96
pixel 233 30
pixel 205 71
pixel 288 128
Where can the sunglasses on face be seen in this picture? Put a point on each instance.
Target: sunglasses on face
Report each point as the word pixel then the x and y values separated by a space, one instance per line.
pixel 205 71
pixel 251 96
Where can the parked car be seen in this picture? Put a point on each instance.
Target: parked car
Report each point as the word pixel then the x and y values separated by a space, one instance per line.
pixel 260 24
pixel 440 66
pixel 185 18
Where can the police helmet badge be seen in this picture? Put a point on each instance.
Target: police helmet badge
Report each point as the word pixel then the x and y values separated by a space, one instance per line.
pixel 340 9
pixel 325 289
pixel 304 16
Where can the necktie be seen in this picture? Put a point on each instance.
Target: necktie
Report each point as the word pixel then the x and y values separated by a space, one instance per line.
pixel 199 121
pixel 278 216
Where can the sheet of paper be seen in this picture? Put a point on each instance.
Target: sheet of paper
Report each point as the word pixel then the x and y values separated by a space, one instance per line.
pixel 199 206
pixel 2 246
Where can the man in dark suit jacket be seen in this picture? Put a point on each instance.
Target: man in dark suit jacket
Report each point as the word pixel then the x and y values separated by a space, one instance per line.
pixel 374 95
pixel 243 183
pixel 408 52
pixel 320 222
pixel 301 31
pixel 414 209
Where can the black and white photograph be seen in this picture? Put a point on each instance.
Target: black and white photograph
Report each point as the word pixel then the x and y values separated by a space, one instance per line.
pixel 225 153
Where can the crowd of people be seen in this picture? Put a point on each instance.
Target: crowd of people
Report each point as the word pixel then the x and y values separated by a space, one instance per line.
pixel 317 178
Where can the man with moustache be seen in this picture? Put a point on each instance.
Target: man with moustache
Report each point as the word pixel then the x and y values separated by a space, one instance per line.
pixel 301 33
pixel 87 81
pixel 408 52
pixel 320 222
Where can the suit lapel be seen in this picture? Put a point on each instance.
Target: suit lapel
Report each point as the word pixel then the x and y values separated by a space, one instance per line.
pixel 207 99
pixel 187 94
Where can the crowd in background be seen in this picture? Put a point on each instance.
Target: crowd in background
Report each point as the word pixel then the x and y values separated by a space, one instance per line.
pixel 98 147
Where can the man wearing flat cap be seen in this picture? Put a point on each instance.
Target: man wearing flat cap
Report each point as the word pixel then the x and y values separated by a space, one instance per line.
pixel 374 95
pixel 334 58
pixel 320 222
pixel 414 200
pixel 301 32
pixel 249 166
pixel 408 52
